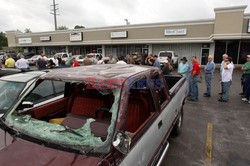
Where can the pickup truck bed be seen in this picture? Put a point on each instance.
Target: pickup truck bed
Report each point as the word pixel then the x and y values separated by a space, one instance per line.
pixel 172 80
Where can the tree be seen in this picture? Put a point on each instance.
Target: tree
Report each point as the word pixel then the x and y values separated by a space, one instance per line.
pixel 63 27
pixel 79 26
pixel 3 40
pixel 27 30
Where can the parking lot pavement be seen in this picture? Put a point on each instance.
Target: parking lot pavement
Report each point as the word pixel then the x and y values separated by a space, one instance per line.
pixel 230 132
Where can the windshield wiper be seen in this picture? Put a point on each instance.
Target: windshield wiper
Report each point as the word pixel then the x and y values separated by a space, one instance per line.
pixel 67 129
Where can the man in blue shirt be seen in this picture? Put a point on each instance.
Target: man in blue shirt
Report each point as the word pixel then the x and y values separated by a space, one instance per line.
pixel 209 70
pixel 183 67
pixel 157 62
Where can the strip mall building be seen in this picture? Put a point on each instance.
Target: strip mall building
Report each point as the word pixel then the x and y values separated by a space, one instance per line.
pixel 228 33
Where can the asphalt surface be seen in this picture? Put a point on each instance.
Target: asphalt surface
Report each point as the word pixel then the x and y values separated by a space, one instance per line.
pixel 230 129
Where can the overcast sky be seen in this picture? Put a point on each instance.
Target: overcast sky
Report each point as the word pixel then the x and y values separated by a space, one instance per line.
pixel 35 14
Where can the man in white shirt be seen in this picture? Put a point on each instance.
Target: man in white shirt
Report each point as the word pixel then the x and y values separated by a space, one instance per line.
pixel 121 60
pixel 56 62
pixel 226 78
pixel 224 56
pixel 22 63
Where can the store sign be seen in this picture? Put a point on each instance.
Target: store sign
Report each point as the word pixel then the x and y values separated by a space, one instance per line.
pixel 45 38
pixel 248 26
pixel 123 34
pixel 174 32
pixel 24 41
pixel 75 36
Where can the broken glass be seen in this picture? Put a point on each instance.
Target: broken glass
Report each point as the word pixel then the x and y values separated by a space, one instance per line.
pixel 8 93
pixel 62 135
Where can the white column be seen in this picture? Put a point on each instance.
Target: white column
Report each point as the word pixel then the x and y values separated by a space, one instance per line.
pixel 67 49
pixel 103 50
pixel 211 50
pixel 43 49
pixel 150 49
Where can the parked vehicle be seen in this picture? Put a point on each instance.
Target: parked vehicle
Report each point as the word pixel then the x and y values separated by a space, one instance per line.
pixel 63 55
pixel 8 71
pixel 106 115
pixel 13 86
pixel 28 54
pixel 2 55
pixel 96 55
pixel 79 58
pixel 163 55
pixel 33 60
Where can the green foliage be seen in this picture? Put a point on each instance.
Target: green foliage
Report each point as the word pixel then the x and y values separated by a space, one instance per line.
pixel 63 27
pixel 3 40
pixel 27 30
pixel 79 26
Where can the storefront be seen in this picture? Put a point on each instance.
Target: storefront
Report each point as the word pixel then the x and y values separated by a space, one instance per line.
pixel 227 33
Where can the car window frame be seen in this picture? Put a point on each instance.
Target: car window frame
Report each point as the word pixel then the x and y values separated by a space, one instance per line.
pixel 54 95
pixel 143 129
pixel 166 90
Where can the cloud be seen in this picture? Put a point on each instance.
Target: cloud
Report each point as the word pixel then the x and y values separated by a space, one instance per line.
pixel 35 14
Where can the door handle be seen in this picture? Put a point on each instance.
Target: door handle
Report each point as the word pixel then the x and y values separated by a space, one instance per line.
pixel 159 124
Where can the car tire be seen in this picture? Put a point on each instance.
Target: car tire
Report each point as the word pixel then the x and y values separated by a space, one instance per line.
pixel 178 125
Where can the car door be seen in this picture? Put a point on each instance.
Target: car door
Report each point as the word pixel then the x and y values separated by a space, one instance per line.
pixel 147 136
pixel 169 108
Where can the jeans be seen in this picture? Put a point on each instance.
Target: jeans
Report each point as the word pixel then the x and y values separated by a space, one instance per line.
pixel 247 86
pixel 194 88
pixel 208 78
pixel 225 90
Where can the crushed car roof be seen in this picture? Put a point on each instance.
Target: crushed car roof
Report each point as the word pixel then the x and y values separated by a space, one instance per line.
pixel 102 72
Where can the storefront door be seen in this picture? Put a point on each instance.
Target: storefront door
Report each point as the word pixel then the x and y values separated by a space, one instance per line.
pixel 204 56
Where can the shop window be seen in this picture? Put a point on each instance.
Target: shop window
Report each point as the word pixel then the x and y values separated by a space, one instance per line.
pixel 108 50
pixel 244 51
pixel 233 49
pixel 122 50
pixel 220 49
pixel 130 49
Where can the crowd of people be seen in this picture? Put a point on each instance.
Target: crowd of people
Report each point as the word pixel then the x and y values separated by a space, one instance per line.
pixel 191 71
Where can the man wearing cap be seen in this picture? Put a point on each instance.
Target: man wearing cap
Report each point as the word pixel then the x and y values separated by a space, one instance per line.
pixel 246 71
pixel 194 79
pixel 183 67
pixel 209 70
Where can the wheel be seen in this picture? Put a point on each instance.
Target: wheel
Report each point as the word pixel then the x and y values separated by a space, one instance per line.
pixel 177 127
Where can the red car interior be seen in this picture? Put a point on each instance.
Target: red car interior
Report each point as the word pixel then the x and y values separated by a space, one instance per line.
pixel 139 109
pixel 83 104
pixel 49 108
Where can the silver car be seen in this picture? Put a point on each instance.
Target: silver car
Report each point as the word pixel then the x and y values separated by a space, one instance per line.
pixel 13 86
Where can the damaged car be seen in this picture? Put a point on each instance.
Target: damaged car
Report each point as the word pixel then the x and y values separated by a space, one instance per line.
pixel 100 115
pixel 12 86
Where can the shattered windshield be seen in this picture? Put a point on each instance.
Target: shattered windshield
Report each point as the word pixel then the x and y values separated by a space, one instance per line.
pixel 9 91
pixel 85 119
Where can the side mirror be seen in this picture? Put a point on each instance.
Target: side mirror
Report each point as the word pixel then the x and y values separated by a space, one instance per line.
pixel 25 105
pixel 121 142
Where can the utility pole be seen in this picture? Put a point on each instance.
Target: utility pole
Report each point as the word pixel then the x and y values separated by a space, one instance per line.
pixel 54 12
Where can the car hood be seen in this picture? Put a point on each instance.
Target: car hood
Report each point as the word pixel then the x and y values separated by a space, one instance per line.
pixel 21 152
